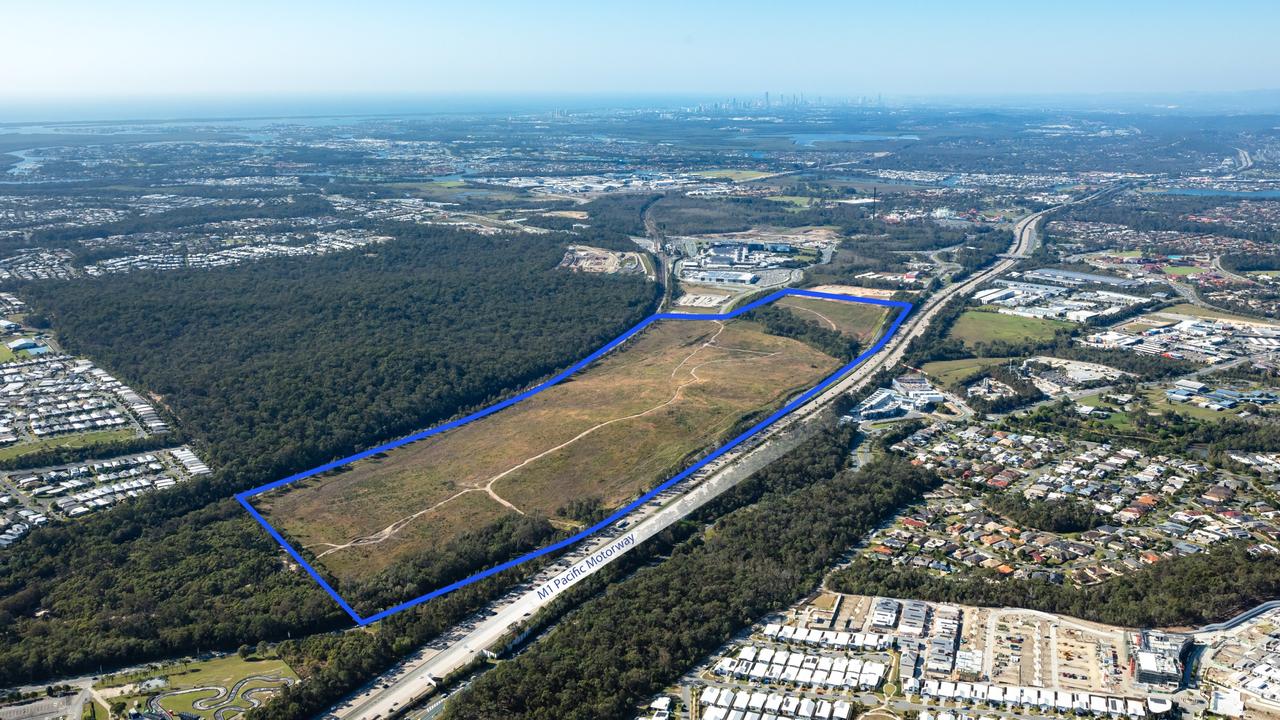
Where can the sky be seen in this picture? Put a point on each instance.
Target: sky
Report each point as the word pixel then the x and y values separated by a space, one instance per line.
pixel 61 52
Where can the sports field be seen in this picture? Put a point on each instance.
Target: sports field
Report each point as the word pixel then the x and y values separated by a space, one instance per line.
pixel 618 427
pixel 65 441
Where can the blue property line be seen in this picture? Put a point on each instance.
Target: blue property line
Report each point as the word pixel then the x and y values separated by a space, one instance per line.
pixel 903 309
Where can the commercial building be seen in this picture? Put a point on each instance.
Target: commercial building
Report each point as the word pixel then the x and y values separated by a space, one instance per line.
pixel 721 277
pixel 1071 277
pixel 1159 657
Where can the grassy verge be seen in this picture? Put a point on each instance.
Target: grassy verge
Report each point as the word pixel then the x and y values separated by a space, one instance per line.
pixel 948 372
pixel 14 452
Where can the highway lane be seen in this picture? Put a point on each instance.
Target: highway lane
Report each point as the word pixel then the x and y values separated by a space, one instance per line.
pixel 1217 266
pixel 415 678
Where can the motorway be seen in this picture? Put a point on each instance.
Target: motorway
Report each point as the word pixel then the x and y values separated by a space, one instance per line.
pixel 411 680
pixel 1217 267
pixel 1026 238
pixel 415 677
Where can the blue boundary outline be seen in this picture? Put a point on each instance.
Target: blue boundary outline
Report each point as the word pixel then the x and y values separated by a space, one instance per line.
pixel 904 308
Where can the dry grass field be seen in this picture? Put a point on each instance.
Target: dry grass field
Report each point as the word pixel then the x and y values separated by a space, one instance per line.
pixel 615 429
pixel 860 320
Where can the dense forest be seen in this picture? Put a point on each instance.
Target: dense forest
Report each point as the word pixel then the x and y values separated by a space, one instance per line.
pixel 1145 211
pixel 613 221
pixel 1251 262
pixel 1192 590
pixel 1168 431
pixel 1059 516
pixel 649 629
pixel 149 580
pixel 880 247
pixel 301 206
pixel 685 215
pixel 1024 391
pixel 623 214
pixel 275 367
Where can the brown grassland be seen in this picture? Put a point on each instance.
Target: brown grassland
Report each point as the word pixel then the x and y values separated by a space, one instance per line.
pixel 613 430
pixel 860 320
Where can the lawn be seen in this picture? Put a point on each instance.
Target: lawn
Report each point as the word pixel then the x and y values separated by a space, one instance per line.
pixel 68 441
pixel 949 372
pixel 977 326
pixel 1118 418
pixel 743 298
pixel 796 201
pixel 825 601
pixel 733 174
pixel 222 672
pixel 1183 270
pixel 94 710
pixel 7 355
pixel 615 429
pixel 882 424
pixel 1159 402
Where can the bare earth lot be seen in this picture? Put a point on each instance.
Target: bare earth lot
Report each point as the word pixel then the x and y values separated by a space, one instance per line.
pixel 617 428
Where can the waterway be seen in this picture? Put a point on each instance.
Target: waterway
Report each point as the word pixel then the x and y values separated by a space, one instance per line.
pixel 1214 192
pixel 28 161
pixel 810 139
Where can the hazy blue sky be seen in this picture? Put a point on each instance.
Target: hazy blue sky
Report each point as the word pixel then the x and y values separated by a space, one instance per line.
pixel 86 49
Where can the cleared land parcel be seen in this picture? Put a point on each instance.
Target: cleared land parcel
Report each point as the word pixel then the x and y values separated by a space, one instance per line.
pixel 860 320
pixel 605 435
pixel 980 326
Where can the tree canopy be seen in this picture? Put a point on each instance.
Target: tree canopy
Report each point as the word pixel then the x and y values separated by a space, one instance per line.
pixel 275 367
